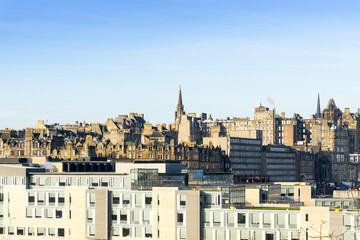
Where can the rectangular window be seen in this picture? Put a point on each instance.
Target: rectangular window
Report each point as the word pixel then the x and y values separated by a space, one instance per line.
pixel 114 217
pixel 182 233
pixel 92 199
pixel 230 219
pixel 217 219
pixel 50 213
pixel 292 220
pixel 116 231
pixel 41 199
pixel 29 212
pixel 38 212
pixel 148 232
pixel 267 220
pixel 180 218
pixel 31 199
pixel 241 218
pixel 58 213
pixel 61 199
pixel 148 200
pixel 51 232
pixel 61 232
pixel 182 201
pixel 255 220
pixel 126 199
pixel 146 217
pixel 136 217
pixel 126 232
pixel 52 199
pixel 40 231
pixel 20 231
pixel 123 216
pixel 90 215
pixel 31 231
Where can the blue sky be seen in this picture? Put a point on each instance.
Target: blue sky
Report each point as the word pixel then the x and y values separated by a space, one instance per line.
pixel 64 61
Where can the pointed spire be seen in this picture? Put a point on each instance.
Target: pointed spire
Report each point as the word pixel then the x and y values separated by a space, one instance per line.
pixel 180 104
pixel 180 107
pixel 318 111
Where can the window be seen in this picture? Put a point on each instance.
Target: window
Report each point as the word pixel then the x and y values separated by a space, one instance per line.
pixel 116 200
pixel 31 199
pixel 40 231
pixel 306 217
pixel 126 199
pixel 20 231
pixel 61 199
pixel 52 199
pixel 116 231
pixel 182 201
pixel 38 212
pixel 92 199
pixel 41 199
pixel 58 213
pixel 217 219
pixel 51 232
pixel 61 232
pixel 148 232
pixel 126 232
pixel 182 233
pixel 90 215
pixel 230 219
pixel 114 217
pixel 123 216
pixel 148 200
pixel 180 217
pixel 241 218
pixel 31 231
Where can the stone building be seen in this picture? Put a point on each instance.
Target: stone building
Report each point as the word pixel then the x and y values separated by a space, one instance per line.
pixel 289 131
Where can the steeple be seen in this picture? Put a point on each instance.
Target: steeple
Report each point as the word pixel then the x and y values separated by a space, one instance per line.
pixel 180 107
pixel 180 104
pixel 318 111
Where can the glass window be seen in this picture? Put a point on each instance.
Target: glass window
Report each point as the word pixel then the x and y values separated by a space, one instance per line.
pixel 61 232
pixel 230 219
pixel 241 218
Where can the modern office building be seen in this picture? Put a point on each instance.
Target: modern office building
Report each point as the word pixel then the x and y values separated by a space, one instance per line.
pixel 39 204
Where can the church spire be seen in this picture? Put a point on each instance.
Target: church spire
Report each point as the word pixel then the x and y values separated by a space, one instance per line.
pixel 318 111
pixel 180 104
pixel 180 107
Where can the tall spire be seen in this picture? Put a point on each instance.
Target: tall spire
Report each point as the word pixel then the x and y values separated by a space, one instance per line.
pixel 318 111
pixel 180 104
pixel 180 107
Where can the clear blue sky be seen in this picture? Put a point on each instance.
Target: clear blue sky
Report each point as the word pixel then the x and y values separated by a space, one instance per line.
pixel 89 60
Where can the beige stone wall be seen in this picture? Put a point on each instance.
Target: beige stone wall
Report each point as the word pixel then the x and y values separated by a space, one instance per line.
pixel 192 214
pixel 167 213
pixel 252 197
pixel 320 223
pixel 217 141
pixel 15 197
pixel 184 134
pixel 305 195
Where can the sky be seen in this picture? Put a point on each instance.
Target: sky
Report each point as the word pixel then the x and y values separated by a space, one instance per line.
pixel 84 60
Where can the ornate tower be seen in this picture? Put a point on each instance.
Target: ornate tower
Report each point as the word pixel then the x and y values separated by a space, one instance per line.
pixel 180 107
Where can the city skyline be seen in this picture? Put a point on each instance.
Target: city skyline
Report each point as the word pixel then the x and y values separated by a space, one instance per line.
pixel 66 62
